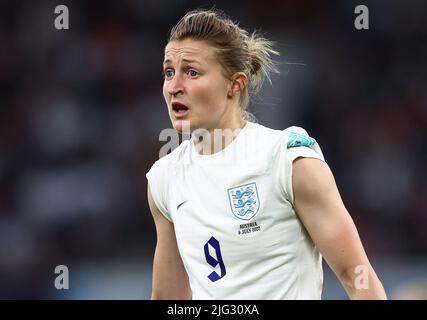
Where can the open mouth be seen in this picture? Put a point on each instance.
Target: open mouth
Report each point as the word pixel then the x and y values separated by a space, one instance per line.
pixel 179 109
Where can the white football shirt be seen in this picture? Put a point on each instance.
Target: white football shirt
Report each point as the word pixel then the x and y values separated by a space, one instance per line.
pixel 236 229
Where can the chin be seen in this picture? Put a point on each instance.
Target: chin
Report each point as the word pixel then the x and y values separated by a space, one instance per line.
pixel 182 125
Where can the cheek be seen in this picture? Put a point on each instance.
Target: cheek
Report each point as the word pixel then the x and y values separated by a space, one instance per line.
pixel 211 95
pixel 165 91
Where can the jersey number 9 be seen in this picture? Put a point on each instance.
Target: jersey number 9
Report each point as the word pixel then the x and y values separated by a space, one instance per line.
pixel 214 261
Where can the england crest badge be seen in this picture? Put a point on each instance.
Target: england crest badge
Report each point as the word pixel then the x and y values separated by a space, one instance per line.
pixel 244 201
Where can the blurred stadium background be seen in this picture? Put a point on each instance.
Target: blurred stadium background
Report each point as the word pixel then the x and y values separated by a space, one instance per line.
pixel 81 111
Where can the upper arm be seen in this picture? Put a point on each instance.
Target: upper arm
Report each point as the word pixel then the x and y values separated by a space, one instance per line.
pixel 170 280
pixel 322 212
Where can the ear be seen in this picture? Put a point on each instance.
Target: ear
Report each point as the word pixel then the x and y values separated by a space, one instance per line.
pixel 239 81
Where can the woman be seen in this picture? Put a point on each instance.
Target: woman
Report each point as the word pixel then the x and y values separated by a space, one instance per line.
pixel 247 213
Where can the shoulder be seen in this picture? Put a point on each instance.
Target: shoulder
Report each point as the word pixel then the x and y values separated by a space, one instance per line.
pixel 159 177
pixel 291 137
pixel 265 132
pixel 264 137
pixel 162 169
pixel 179 154
pixel 298 143
pixel 274 145
pixel 298 137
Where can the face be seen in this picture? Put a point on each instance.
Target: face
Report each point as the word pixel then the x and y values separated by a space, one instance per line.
pixel 195 88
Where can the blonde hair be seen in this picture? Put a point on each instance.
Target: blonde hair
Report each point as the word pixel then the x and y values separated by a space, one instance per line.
pixel 236 49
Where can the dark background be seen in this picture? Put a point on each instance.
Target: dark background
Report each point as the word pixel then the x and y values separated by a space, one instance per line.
pixel 81 111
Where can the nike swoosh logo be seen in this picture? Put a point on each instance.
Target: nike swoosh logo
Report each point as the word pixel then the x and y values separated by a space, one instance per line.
pixel 178 206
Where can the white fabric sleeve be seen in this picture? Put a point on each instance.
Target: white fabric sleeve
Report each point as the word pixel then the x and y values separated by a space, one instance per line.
pixel 297 143
pixel 157 180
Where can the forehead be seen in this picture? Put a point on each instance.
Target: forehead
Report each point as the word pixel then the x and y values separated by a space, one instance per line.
pixel 199 51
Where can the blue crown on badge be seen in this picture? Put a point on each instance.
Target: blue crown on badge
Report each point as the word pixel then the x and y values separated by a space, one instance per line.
pixel 244 201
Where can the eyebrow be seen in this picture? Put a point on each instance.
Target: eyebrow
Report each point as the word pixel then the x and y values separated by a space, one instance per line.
pixel 183 60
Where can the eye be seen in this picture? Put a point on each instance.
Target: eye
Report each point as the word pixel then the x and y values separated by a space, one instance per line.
pixel 192 73
pixel 168 74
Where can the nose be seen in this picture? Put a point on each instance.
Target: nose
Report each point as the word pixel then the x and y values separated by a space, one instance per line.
pixel 175 86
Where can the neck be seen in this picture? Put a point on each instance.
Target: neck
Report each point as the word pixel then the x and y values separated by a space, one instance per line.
pixel 210 141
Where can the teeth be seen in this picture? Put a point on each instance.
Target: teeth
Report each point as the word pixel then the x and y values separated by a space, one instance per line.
pixel 178 108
